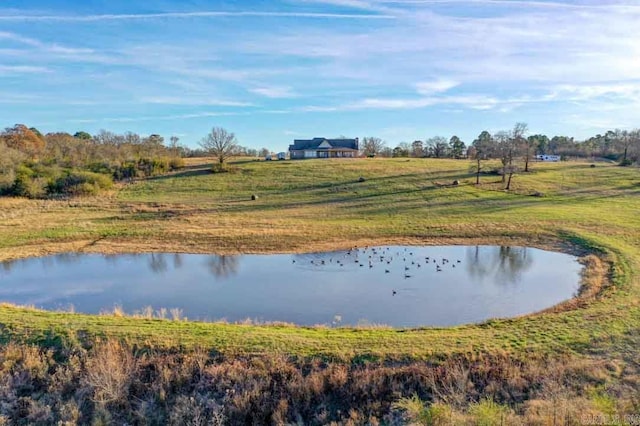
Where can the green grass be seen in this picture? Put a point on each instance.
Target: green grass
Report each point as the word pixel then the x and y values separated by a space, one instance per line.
pixel 316 204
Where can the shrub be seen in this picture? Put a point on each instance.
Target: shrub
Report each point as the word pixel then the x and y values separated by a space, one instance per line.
pixel 126 170
pixel 488 413
pixel 176 163
pixel 417 413
pixel 110 372
pixel 153 166
pixel 77 182
pixel 27 183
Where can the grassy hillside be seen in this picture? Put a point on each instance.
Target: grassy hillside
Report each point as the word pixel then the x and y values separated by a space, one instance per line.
pixel 576 363
pixel 322 204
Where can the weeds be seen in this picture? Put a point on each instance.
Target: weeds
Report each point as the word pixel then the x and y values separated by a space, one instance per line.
pixel 114 383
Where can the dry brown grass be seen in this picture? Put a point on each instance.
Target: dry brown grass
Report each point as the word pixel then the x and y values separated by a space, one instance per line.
pixel 114 383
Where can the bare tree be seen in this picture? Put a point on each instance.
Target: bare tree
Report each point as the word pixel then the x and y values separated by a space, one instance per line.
pixel 482 149
pixel 438 146
pixel 504 151
pixel 220 143
pixel 509 146
pixel 624 141
pixel 372 146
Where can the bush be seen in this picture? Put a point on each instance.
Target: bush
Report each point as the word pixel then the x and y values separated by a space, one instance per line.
pixel 176 163
pixel 127 170
pixel 488 413
pixel 78 182
pixel 153 166
pixel 28 183
pixel 626 162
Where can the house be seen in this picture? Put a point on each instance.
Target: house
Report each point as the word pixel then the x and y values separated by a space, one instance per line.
pixel 323 148
pixel 543 157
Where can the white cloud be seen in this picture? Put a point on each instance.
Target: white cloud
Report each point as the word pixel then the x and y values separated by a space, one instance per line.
pixel 189 100
pixel 274 92
pixel 23 69
pixel 184 15
pixel 437 86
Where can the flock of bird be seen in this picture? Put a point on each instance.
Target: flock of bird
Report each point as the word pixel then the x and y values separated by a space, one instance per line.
pixel 373 257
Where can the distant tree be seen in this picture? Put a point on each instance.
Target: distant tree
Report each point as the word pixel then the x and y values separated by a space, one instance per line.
pixel 625 140
pixel 264 152
pixel 9 161
pixel 372 146
pixel 482 149
pixel 540 143
pixel 509 147
pixel 37 132
pixel 23 139
pixel 220 143
pixel 438 147
pixel 521 144
pixel 173 145
pixel 386 152
pixel 82 135
pixel 457 147
pixel 417 149
pixel 402 150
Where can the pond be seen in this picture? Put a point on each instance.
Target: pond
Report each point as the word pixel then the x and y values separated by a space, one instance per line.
pixel 394 285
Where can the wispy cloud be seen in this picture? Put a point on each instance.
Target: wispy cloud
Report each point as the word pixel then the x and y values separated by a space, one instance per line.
pixel 274 92
pixel 435 86
pixel 23 69
pixel 186 15
pixel 189 100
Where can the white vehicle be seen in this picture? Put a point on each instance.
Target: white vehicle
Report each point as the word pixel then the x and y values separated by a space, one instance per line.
pixel 282 156
pixel 268 157
pixel 544 157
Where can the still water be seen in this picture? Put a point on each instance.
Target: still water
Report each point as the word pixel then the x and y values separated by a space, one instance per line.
pixel 394 285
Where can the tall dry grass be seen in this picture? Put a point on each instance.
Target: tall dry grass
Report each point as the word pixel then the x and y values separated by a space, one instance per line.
pixel 113 383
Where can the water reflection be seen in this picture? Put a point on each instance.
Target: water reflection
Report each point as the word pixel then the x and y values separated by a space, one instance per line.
pixel 393 285
pixel 222 266
pixel 505 265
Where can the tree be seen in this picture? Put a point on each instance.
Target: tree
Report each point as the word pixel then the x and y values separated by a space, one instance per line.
pixel 457 147
pixel 438 146
pixel 264 152
pixel 173 145
pixel 508 145
pixel 220 143
pixel 417 149
pixel 10 159
pixel 402 150
pixel 482 148
pixel 82 135
pixel 521 144
pixel 541 143
pixel 372 146
pixel 23 139
pixel 625 140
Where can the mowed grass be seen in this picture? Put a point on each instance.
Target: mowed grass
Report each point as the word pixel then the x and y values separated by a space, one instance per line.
pixel 322 204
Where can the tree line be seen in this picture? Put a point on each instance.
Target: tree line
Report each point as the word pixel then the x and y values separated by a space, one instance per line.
pixel 38 165
pixel 616 145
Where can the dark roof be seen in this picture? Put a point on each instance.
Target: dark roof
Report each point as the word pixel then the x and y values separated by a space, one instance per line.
pixel 300 144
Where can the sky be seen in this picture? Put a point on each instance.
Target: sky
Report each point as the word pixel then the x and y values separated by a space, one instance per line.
pixel 272 71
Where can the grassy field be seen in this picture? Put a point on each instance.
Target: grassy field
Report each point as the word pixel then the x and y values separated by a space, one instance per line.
pixel 574 363
pixel 314 205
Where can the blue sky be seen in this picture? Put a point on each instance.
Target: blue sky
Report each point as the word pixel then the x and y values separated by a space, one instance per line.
pixel 272 71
